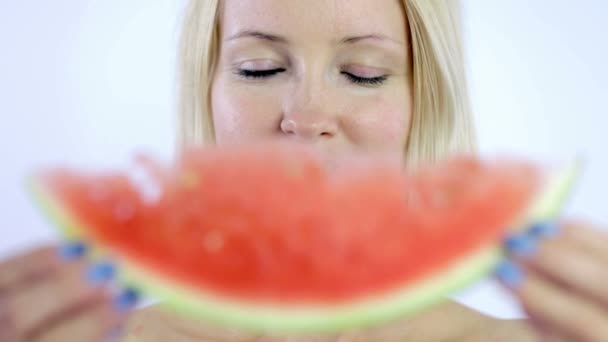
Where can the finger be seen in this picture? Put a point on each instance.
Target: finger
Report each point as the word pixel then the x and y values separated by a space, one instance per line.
pixel 39 305
pixel 570 316
pixel 588 238
pixel 6 333
pixel 95 318
pixel 28 267
pixel 565 262
pixel 553 337
pixel 91 320
pixel 544 333
pixel 34 266
pixel 33 303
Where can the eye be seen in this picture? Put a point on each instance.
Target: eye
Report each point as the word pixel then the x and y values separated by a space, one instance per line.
pixel 378 80
pixel 259 74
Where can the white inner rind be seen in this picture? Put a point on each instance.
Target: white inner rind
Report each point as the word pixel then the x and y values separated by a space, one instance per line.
pixel 356 314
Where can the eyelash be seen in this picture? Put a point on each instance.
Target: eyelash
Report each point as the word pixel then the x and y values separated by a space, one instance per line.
pixel 365 80
pixel 262 74
pixel 257 74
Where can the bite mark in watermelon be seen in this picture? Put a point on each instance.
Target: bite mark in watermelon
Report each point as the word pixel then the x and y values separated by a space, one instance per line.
pixel 267 238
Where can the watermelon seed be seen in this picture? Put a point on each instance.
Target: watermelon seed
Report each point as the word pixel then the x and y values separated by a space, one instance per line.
pixel 214 242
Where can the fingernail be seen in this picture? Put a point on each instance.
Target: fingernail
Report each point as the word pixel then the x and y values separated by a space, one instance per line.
pixel 101 273
pixel 510 274
pixel 73 251
pixel 543 230
pixel 126 300
pixel 521 245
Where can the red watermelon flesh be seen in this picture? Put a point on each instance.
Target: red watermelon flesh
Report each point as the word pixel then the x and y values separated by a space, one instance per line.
pixel 271 225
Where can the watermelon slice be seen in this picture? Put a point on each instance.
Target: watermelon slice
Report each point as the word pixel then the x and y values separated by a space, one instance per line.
pixel 269 238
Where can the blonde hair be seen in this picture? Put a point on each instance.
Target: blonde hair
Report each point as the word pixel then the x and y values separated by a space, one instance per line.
pixel 441 121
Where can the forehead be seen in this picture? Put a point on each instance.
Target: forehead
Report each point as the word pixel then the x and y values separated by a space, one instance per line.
pixel 316 18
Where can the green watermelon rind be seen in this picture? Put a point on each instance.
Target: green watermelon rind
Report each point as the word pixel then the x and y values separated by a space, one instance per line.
pixel 398 304
pixel 558 189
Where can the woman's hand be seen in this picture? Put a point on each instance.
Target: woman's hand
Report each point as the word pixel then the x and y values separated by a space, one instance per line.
pixel 47 298
pixel 560 276
pixel 53 295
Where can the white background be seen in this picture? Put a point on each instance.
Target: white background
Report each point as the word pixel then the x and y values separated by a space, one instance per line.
pixel 90 80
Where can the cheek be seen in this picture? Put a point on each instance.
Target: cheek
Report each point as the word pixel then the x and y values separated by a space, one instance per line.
pixel 239 115
pixel 380 122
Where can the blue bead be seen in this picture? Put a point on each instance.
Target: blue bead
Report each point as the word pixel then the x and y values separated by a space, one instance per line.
pixel 73 251
pixel 101 273
pixel 510 274
pixel 126 300
pixel 521 245
pixel 543 230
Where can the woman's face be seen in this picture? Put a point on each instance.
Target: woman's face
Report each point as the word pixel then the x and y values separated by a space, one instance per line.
pixel 331 73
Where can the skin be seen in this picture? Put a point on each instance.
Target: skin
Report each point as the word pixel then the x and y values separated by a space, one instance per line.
pixel 311 99
pixel 318 53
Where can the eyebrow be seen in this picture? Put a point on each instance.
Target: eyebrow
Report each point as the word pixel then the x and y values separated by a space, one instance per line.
pixel 259 35
pixel 280 39
pixel 377 37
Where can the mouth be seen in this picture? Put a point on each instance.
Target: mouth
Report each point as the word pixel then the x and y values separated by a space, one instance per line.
pixel 335 161
pixel 334 157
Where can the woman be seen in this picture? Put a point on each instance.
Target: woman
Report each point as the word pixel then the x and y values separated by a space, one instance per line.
pixel 343 75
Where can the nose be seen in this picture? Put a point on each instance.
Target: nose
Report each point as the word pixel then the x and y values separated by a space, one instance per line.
pixel 310 114
pixel 308 127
